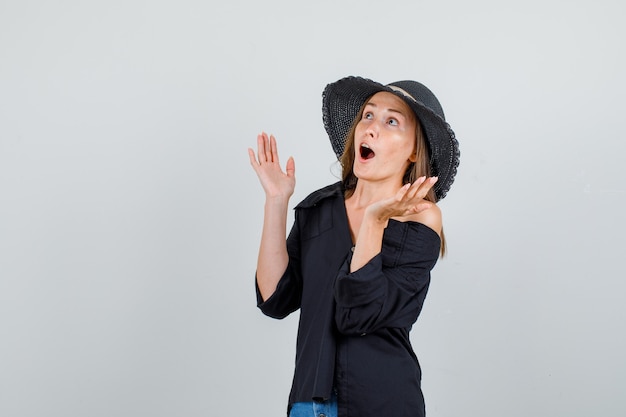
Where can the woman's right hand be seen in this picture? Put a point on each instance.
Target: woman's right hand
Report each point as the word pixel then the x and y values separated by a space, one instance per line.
pixel 275 182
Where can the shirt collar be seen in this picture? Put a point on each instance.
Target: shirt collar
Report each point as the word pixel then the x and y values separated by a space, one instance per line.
pixel 331 191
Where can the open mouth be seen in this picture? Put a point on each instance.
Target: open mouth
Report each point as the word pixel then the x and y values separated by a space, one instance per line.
pixel 366 152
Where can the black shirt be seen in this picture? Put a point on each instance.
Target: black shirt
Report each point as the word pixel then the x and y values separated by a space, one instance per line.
pixel 353 334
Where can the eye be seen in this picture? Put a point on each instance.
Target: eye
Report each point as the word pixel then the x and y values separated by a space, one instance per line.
pixel 368 115
pixel 393 122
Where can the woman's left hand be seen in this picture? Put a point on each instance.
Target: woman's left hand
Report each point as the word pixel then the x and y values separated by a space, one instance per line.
pixel 408 200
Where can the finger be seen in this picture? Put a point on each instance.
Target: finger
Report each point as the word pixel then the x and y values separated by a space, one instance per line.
pixel 260 140
pixel 413 190
pixel 253 160
pixel 402 191
pixel 268 148
pixel 418 208
pixel 426 186
pixel 274 149
pixel 291 167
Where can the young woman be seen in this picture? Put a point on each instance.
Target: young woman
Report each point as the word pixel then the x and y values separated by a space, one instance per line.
pixel 358 258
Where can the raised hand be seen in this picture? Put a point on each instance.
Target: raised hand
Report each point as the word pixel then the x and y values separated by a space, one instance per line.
pixel 408 200
pixel 275 182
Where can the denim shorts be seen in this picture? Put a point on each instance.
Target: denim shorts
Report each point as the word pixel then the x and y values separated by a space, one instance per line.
pixel 326 408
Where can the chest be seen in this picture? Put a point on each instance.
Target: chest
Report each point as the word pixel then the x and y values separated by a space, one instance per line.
pixel 355 218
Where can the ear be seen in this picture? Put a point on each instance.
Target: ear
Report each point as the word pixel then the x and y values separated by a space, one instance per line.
pixel 413 157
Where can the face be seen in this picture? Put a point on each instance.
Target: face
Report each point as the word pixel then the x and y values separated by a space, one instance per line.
pixel 384 139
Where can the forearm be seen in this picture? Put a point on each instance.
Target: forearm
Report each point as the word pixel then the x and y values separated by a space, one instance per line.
pixel 273 257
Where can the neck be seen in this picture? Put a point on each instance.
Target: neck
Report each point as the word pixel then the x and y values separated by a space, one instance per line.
pixel 367 192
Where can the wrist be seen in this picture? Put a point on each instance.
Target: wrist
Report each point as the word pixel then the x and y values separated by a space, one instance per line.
pixel 375 216
pixel 277 200
pixel 375 219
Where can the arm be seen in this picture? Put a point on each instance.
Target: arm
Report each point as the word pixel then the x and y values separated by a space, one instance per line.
pixel 371 292
pixel 408 202
pixel 389 290
pixel 278 186
pixel 287 295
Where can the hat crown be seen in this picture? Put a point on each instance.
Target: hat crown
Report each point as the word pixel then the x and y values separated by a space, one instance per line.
pixel 422 94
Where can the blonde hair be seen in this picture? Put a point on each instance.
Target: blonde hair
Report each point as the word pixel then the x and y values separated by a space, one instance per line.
pixel 419 168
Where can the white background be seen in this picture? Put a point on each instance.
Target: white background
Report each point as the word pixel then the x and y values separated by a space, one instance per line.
pixel 130 217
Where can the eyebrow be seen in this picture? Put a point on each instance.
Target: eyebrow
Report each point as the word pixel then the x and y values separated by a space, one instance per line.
pixel 369 103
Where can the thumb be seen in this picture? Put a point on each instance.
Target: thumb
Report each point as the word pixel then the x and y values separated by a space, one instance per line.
pixel 291 167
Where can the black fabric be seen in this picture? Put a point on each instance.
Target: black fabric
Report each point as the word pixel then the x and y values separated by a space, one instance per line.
pixel 354 327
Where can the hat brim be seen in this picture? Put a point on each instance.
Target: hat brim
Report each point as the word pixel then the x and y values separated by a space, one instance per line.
pixel 342 100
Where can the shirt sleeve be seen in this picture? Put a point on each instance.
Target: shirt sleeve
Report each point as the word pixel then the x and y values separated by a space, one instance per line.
pixel 288 295
pixel 389 290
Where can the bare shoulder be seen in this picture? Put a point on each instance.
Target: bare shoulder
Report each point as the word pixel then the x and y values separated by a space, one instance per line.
pixel 430 217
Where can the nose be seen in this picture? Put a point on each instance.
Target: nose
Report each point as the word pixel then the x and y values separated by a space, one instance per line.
pixel 372 130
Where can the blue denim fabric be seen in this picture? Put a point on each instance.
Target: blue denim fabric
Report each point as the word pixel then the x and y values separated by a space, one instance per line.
pixel 326 408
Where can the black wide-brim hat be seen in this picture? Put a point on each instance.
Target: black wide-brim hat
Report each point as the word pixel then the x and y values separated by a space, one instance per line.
pixel 342 100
